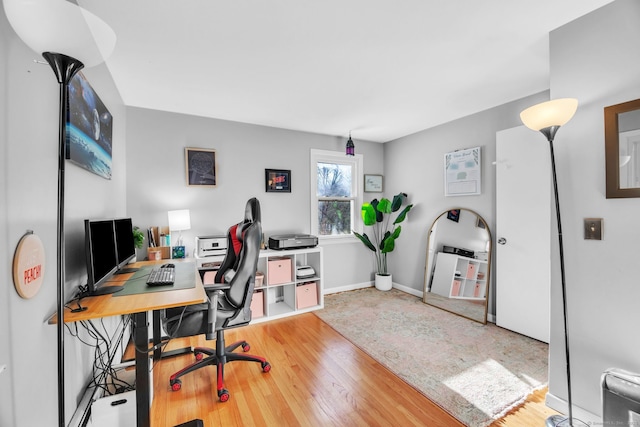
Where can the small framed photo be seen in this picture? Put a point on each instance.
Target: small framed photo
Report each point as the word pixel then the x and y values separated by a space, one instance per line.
pixel 200 166
pixel 373 183
pixel 454 215
pixel 277 180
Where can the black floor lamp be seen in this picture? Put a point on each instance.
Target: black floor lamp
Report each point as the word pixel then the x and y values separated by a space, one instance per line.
pixel 547 118
pixel 50 27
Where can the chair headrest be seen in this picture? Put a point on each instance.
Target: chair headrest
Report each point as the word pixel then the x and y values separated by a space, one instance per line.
pixel 252 211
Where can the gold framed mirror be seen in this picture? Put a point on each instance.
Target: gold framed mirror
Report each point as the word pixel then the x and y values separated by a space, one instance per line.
pixel 458 264
pixel 622 149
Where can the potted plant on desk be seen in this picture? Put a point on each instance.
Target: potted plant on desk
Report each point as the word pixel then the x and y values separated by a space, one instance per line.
pixel 138 240
pixel 377 215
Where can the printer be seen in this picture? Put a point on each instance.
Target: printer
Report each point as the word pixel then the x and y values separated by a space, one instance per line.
pixel 207 246
pixel 458 251
pixel 292 241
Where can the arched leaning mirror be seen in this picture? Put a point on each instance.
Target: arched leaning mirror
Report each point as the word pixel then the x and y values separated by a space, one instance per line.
pixel 458 264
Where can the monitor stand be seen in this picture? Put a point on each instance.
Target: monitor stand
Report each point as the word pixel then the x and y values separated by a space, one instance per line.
pixel 106 290
pixel 127 270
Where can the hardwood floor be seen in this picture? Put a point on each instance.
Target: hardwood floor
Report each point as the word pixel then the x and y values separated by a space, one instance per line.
pixel 318 378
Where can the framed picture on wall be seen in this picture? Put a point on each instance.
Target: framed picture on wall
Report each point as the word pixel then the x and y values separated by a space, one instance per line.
pixel 89 128
pixel 373 183
pixel 462 172
pixel 200 166
pixel 454 215
pixel 277 180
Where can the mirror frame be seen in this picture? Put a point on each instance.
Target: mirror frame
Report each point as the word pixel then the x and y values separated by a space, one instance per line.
pixel 489 260
pixel 612 150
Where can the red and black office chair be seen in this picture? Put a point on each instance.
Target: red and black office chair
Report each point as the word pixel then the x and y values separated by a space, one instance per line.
pixel 228 306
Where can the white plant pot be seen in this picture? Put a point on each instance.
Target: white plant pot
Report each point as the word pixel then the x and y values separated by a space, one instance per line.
pixel 383 282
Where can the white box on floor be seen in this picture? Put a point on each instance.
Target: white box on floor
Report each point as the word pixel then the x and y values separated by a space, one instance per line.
pixel 118 410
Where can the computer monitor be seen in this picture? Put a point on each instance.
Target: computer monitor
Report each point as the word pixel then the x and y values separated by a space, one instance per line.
pixel 101 256
pixel 125 246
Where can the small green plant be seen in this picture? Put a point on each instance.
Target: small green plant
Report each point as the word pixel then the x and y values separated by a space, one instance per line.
pixel 377 215
pixel 138 237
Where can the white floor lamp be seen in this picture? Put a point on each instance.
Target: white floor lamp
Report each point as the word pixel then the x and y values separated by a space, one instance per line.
pixel 50 27
pixel 547 118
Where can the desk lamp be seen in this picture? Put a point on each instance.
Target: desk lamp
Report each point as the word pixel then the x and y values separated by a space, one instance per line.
pixel 547 118
pixel 179 220
pixel 69 38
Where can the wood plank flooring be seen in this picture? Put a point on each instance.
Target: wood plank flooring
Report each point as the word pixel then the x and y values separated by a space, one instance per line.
pixel 318 378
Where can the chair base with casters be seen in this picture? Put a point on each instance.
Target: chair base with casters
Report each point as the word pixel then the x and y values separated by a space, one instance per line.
pixel 218 357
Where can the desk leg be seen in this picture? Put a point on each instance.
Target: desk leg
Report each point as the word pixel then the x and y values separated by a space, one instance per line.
pixel 157 337
pixel 141 340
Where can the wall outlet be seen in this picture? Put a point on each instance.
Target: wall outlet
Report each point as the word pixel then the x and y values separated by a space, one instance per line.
pixel 593 228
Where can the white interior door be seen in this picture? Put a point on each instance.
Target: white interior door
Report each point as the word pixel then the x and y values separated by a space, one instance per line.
pixel 523 215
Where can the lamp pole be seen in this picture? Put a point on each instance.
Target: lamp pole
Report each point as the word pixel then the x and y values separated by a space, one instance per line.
pixel 550 134
pixel 547 117
pixel 64 67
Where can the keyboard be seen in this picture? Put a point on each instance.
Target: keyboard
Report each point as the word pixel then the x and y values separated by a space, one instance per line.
pixel 161 276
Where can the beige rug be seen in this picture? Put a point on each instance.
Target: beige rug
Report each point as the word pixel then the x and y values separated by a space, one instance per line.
pixel 475 372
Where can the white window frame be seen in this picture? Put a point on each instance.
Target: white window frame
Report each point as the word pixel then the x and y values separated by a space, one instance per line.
pixel 356 162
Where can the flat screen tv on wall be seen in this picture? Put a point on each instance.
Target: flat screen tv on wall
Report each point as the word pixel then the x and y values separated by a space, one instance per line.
pixel 89 128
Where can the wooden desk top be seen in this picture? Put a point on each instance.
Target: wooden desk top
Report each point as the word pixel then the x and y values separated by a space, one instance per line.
pixel 110 305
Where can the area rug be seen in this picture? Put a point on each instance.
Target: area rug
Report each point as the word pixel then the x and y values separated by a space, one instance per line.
pixel 475 372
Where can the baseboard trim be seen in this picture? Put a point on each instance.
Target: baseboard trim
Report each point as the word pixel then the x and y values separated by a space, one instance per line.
pixel 560 405
pixel 408 290
pixel 348 288
pixel 364 285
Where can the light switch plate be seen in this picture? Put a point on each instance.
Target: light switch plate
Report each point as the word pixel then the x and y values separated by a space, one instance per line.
pixel 593 228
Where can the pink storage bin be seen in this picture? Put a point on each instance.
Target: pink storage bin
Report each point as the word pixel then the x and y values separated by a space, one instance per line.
pixel 279 271
pixel 306 295
pixel 471 271
pixel 257 304
pixel 455 289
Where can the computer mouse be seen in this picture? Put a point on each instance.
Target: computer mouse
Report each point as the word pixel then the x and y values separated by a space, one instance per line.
pixel 168 266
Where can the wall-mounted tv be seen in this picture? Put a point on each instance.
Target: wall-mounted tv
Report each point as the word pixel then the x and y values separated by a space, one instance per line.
pixel 89 128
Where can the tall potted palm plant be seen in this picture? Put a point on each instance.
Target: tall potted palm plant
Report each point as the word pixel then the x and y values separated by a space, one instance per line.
pixel 377 215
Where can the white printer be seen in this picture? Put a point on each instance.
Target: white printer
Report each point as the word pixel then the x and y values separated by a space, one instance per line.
pixel 210 250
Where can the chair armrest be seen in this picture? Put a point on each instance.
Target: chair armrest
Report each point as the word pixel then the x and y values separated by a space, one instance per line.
pixel 217 287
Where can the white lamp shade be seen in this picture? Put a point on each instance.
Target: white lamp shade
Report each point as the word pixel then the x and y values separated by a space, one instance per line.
pixel 59 26
pixel 550 113
pixel 179 220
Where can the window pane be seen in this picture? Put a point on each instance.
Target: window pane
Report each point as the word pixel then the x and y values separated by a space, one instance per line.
pixel 334 180
pixel 334 217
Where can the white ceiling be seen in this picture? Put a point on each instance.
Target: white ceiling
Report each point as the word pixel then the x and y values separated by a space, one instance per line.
pixel 382 69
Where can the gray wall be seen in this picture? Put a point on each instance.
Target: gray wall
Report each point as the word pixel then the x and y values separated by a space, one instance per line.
pixel 415 165
pixel 6 378
pixel 596 60
pixel 28 195
pixel 157 181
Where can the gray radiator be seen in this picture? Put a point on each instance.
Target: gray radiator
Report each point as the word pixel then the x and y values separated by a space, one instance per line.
pixel 620 398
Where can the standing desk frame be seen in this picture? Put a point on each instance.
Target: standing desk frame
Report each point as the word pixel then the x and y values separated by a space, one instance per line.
pixel 138 306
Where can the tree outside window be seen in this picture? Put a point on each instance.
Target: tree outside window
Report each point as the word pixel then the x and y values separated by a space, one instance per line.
pixel 336 191
pixel 335 202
